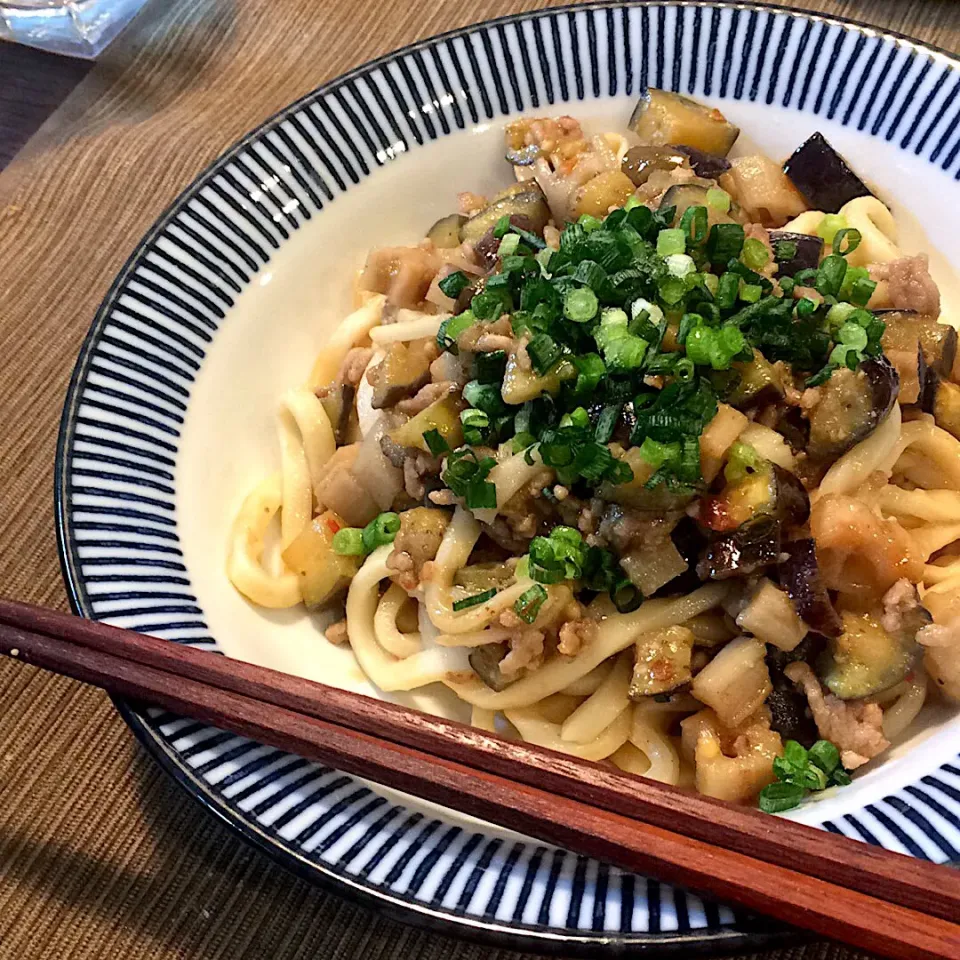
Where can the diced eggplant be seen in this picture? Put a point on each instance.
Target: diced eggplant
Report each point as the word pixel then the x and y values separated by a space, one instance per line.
pixel 487 247
pixel 922 350
pixel 662 662
pixel 320 570
pixel 852 403
pixel 822 175
pixel 866 658
pixel 710 166
pixel 662 118
pixel 639 162
pixel 340 409
pixel 684 195
pixel 445 233
pixel 524 199
pixel 789 715
pixel 749 548
pixel 442 415
pixel 946 407
pixel 800 578
pixel 485 662
pixel 467 294
pixel 769 491
pixel 759 382
pixel 602 193
pixel 402 372
pixel 805 257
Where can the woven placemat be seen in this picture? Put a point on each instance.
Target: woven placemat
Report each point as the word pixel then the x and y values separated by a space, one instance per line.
pixel 102 856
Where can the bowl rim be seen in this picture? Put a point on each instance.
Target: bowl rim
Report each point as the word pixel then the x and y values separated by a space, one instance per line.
pixel 746 933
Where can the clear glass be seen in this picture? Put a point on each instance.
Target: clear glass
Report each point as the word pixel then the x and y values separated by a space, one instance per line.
pixel 77 28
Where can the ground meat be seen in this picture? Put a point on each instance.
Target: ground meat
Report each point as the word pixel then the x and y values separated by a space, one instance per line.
pixel 807 293
pixel 425 396
pixel 551 236
pixel 527 509
pixel 354 363
pixel 502 534
pixel 336 633
pixel 523 358
pixel 899 603
pixel 526 651
pixel 416 545
pixel 470 203
pixel 415 469
pixel 495 341
pixel 853 726
pixel 574 635
pixel 909 284
pixel 444 498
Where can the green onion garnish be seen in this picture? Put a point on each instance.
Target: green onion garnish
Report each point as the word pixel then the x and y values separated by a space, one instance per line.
pixel 590 371
pixel 625 596
pixel 728 289
pixel 590 222
pixel 724 242
pixel 786 249
pixel 481 495
pixel 484 396
pixel 755 253
pixel 671 241
pixel 508 245
pixel 529 603
pixel 693 223
pixel 490 367
pixel 380 530
pixel 829 226
pixel 750 293
pixel 846 240
pixel 718 199
pixel 453 283
pixel 777 797
pixel 800 770
pixel 501 227
pixel 543 352
pixel 580 305
pixel 475 600
pixel 475 426
pixel 451 328
pixel 830 275
pixel 435 441
pixel 348 542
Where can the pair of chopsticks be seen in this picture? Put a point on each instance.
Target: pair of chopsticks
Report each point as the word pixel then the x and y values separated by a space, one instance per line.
pixel 842 889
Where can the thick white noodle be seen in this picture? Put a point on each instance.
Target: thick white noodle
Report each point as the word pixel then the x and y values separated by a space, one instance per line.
pixel 932 537
pixel 297 508
pixel 936 445
pixel 589 682
pixel 476 638
pixel 648 733
pixel 415 326
pixel 366 415
pixel 614 634
pixel 852 470
pixel 600 709
pixel 933 506
pixel 384 669
pixel 769 444
pixel 245 550
pixel 878 231
pixel 350 332
pixel 509 477
pixel 388 635
pixel 806 222
pixel 899 716
pixel 483 719
pixel 937 573
pixel 532 726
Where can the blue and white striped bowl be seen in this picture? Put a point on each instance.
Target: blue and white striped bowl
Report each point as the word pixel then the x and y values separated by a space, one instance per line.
pixel 222 305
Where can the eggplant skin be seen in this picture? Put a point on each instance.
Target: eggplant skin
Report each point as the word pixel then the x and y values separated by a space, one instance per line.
pixel 793 502
pixel 807 256
pixel 800 578
pixel 852 405
pixel 823 176
pixel 751 547
pixel 707 165
pixel 485 661
pixel 789 715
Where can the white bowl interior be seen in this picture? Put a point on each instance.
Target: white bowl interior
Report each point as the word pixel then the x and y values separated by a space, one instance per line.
pixel 270 337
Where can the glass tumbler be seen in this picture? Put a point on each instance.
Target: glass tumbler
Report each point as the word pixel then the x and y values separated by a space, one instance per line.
pixel 77 28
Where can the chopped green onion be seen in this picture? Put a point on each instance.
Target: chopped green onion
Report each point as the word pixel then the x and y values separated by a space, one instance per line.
pixel 683 370
pixel 615 317
pixel 786 285
pixel 522 440
pixel 786 249
pixel 728 289
pixel 590 371
pixel 451 328
pixel 657 454
pixel 750 293
pixel 711 282
pixel 625 596
pixel 529 603
pixel 741 460
pixel 777 797
pixel 481 495
pixel 475 424
pixel 484 396
pixel 348 542
pixel 453 283
pixel 624 352
pixel 489 304
pixel 672 290
pixel 718 199
pixel 845 356
pixel 754 253
pixel 380 530
pixel 543 352
pixel 607 422
pixel 671 241
pixel 589 222
pixel 830 275
pixel 501 227
pixel 508 245
pixel 435 441
pixel 853 335
pixel 805 306
pixel 489 367
pixel 838 314
pixel 821 376
pixel 580 305
pixel 830 225
pixel 849 235
pixel 680 265
pixel 724 242
pixel 632 203
pixel 693 223
pixel 475 600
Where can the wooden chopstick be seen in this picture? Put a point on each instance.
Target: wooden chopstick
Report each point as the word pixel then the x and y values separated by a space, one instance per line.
pixel 635 823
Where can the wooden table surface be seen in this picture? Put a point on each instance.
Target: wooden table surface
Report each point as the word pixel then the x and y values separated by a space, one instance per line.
pixel 101 856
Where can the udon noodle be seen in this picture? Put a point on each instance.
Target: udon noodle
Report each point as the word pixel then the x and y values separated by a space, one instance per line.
pixel 651 459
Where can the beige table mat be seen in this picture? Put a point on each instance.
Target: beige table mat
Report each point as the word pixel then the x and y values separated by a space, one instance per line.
pixel 101 856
